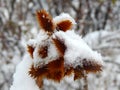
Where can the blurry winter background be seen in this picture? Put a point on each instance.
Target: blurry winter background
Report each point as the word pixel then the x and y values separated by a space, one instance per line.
pixel 98 21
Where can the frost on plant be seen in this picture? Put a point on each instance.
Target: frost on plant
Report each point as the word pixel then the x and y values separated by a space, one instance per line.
pixel 57 51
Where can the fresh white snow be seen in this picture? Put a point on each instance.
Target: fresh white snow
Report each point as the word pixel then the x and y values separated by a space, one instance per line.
pixel 77 49
pixel 22 80
pixel 63 17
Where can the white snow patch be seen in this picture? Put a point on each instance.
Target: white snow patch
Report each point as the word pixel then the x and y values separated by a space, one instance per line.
pixel 21 78
pixel 40 41
pixel 31 42
pixel 63 17
pixel 77 49
pixel 93 38
pixel 41 37
pixel 52 54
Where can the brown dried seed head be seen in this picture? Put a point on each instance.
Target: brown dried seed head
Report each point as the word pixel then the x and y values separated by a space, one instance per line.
pixel 91 66
pixel 45 21
pixel 78 73
pixel 38 74
pixel 39 82
pixel 53 70
pixel 68 71
pixel 64 25
pixel 38 71
pixel 43 51
pixel 30 49
pixel 56 69
pixel 60 46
